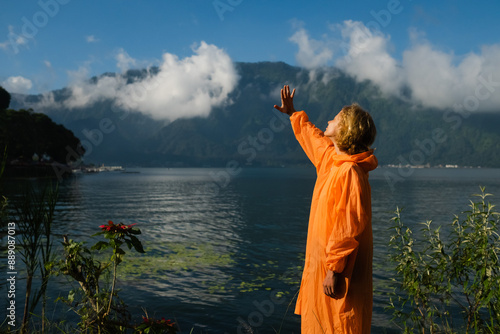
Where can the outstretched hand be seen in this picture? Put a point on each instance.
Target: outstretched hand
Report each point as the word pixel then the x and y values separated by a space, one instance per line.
pixel 286 101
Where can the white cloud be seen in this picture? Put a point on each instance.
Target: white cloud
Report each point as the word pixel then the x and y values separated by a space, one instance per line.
pixel 47 101
pixel 17 84
pixel 435 78
pixel 368 58
pixel 186 87
pixel 13 41
pixel 439 79
pixel 84 93
pixel 91 39
pixel 4 45
pixel 312 53
pixel 124 61
pixel 183 87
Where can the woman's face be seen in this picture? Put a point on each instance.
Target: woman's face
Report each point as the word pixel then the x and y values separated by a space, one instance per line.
pixel 331 129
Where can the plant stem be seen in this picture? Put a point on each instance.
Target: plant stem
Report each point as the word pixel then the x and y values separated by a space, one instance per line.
pixel 26 303
pixel 112 286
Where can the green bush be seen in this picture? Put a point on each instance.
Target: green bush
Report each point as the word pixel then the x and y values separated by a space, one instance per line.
pixel 99 308
pixel 437 279
pixel 98 305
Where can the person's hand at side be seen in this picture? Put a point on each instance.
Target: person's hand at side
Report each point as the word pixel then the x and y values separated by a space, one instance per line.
pixel 329 285
pixel 286 101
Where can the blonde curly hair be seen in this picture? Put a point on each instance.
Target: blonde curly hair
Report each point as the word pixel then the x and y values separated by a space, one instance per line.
pixel 356 130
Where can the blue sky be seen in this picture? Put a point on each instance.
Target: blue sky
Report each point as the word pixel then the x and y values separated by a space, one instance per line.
pixel 47 44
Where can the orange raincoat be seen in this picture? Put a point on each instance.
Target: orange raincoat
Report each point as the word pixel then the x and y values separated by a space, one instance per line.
pixel 339 236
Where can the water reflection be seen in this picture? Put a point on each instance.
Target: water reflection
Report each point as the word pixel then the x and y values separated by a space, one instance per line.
pixel 214 256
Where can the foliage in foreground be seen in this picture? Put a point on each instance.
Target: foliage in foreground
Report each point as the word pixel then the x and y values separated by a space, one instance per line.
pixel 436 279
pixel 97 304
pixel 99 307
pixel 34 218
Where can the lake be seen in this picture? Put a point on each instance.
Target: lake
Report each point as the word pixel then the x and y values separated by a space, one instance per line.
pixel 224 248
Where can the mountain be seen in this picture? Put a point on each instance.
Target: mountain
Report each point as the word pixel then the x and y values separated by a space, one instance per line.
pixel 249 131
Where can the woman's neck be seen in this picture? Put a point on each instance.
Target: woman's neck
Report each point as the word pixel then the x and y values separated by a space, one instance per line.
pixel 337 149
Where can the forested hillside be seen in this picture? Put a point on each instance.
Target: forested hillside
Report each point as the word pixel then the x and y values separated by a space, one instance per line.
pixel 250 132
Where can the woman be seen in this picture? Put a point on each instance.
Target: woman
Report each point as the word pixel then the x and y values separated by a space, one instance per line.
pixel 336 290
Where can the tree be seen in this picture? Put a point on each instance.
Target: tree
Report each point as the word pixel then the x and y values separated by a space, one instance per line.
pixel 4 99
pixel 25 133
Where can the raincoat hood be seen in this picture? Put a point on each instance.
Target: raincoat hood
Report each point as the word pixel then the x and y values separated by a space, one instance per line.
pixel 366 160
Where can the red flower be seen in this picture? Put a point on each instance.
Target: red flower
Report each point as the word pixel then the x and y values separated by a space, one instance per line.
pixel 112 227
pixel 107 227
pixel 125 227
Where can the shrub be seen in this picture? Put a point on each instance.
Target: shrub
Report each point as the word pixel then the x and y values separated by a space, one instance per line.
pixel 97 304
pixel 436 278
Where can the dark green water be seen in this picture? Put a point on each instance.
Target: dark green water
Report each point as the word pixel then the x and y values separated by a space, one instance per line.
pixel 224 250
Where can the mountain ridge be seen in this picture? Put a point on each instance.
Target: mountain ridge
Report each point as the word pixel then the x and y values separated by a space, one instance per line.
pixel 242 130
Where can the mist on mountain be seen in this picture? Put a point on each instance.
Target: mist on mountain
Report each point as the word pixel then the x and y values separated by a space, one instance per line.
pixel 241 127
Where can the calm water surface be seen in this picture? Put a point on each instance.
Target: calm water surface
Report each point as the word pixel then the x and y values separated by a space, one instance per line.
pixel 224 251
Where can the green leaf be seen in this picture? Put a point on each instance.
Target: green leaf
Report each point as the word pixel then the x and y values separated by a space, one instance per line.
pixel 135 231
pixel 119 251
pixel 101 245
pixel 137 244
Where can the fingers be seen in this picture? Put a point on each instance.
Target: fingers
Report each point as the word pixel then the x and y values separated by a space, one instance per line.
pixel 285 92
pixel 288 91
pixel 286 100
pixel 330 286
pixel 330 292
pixel 327 288
pixel 334 295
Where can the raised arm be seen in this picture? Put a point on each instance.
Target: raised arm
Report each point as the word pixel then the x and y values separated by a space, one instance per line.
pixel 312 139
